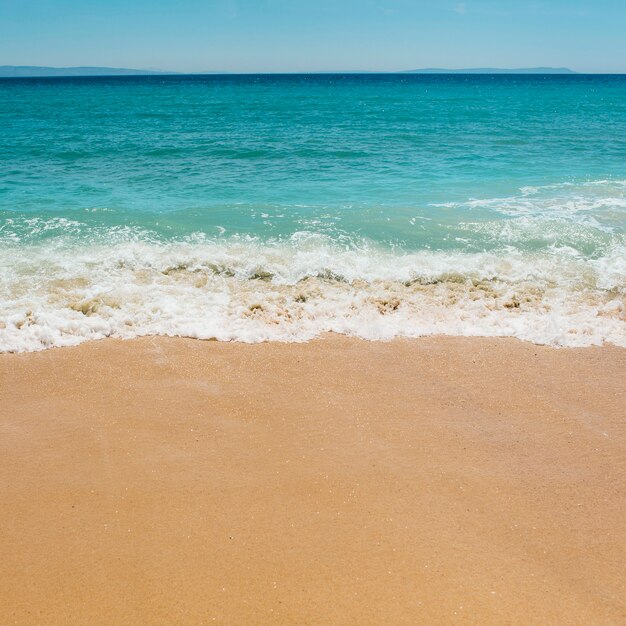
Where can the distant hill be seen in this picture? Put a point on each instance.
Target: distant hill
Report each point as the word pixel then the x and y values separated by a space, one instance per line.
pixel 28 71
pixel 24 71
pixel 493 70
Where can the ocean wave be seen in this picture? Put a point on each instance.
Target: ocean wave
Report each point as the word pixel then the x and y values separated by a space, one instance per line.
pixel 59 293
pixel 598 203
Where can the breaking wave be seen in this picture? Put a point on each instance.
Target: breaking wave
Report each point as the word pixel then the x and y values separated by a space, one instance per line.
pixel 127 283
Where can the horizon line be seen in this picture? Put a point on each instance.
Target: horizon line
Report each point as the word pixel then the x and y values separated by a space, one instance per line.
pixel 124 71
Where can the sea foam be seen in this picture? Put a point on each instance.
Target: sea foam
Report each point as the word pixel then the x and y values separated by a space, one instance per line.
pixel 56 293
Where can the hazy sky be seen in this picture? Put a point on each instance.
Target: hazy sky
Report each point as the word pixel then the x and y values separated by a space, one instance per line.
pixel 310 35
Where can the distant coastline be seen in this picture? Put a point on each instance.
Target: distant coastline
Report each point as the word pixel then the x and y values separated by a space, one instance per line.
pixel 36 71
pixel 494 70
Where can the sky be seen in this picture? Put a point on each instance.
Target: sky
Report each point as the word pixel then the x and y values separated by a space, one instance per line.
pixel 314 35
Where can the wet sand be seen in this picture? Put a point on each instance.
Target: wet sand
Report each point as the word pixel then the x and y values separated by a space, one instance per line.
pixel 430 481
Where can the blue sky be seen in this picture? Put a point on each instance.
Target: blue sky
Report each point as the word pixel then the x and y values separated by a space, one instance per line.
pixel 314 35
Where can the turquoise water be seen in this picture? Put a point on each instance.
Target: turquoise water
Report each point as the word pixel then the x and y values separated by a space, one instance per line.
pixel 281 207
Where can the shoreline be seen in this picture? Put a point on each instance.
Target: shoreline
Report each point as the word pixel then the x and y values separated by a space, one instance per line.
pixel 430 480
pixel 324 336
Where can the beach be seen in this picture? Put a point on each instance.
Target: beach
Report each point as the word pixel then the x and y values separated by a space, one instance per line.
pixel 437 480
pixel 313 349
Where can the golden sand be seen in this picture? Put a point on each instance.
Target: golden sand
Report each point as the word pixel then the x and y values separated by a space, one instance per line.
pixel 430 481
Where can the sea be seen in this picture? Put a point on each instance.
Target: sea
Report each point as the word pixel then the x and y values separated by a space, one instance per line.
pixel 280 207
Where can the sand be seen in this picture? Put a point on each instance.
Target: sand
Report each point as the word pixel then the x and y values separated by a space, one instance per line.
pixel 430 481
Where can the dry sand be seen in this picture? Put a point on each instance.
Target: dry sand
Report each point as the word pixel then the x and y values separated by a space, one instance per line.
pixel 431 481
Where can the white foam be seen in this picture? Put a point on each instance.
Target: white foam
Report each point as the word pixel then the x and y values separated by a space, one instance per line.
pixel 58 294
pixel 582 203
